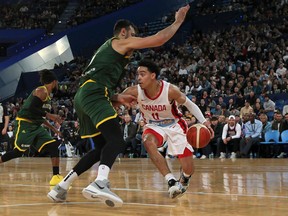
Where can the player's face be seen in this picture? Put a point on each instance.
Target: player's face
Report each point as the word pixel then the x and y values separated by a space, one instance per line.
pixel 130 33
pixel 144 77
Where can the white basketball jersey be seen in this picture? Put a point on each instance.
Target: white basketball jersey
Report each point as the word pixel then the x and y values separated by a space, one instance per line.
pixel 158 111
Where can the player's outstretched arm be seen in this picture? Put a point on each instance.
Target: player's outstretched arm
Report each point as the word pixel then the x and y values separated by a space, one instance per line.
pixel 159 38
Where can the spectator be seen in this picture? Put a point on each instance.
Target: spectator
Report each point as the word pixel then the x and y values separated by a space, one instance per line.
pixel 129 132
pixel 138 140
pixel 230 138
pixel 268 105
pixel 246 109
pixel 278 124
pixel 253 130
pixel 213 145
pixel 258 108
pixel 266 126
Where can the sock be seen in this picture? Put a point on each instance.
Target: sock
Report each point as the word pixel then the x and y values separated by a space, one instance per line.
pixel 103 172
pixel 186 175
pixel 68 180
pixel 184 179
pixel 55 170
pixel 169 176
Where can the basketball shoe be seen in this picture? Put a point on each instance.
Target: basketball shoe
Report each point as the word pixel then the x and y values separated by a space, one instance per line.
pixel 100 190
pixel 184 182
pixel 55 179
pixel 174 188
pixel 57 194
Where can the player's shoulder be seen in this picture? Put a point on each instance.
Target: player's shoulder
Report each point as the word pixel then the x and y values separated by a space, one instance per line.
pixel 172 87
pixel 41 92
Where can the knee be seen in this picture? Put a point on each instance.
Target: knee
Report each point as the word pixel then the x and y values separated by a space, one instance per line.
pixel 52 149
pixel 150 146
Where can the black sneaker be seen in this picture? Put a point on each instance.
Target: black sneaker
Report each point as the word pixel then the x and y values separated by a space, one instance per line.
pixel 184 181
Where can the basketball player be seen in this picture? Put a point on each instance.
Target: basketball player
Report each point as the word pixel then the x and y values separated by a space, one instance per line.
pixel 158 102
pixel 28 130
pixel 97 116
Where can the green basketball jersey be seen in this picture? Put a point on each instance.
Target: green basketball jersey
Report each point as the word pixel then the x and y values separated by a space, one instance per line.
pixel 28 114
pixel 107 66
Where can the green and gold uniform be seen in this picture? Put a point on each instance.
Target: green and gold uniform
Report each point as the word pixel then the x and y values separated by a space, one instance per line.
pixel 28 127
pixel 92 100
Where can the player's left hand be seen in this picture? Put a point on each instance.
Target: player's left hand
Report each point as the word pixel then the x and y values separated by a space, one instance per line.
pixel 127 100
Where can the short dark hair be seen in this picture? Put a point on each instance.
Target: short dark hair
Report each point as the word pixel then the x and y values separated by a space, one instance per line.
pixel 122 23
pixel 152 67
pixel 214 118
pixel 47 76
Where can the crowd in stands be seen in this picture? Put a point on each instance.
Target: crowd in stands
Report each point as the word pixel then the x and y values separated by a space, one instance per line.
pixel 31 14
pixel 44 14
pixel 238 77
pixel 90 9
pixel 253 10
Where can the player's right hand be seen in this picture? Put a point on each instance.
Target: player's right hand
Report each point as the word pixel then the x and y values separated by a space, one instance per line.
pixel 181 14
pixel 208 125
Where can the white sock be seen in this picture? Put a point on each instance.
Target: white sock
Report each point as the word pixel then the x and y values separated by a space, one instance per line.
pixel 169 176
pixel 68 180
pixel 103 172
pixel 186 175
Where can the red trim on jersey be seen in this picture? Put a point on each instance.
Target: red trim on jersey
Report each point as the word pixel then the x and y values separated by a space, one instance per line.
pixel 160 92
pixel 157 135
pixel 178 115
pixel 186 153
pixel 174 110
pixel 183 125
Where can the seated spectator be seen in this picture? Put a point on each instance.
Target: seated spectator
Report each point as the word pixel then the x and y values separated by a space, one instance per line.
pixel 253 130
pixel 230 104
pixel 278 124
pixel 138 140
pixel 265 150
pixel 230 138
pixel 234 111
pixel 213 145
pixel 221 101
pixel 251 98
pixel 257 108
pixel 129 133
pixel 224 111
pixel 246 109
pixel 268 105
pixel 203 106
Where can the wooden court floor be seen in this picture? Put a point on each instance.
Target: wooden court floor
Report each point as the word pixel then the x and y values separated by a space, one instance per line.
pixel 219 187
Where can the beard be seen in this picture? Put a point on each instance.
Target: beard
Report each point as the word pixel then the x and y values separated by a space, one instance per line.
pixel 55 90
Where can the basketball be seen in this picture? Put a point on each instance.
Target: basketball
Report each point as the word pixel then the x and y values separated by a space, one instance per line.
pixel 198 136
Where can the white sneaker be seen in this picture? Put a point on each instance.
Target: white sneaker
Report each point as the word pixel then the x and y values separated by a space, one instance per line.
pixel 281 155
pixel 233 155
pixel 222 155
pixel 100 190
pixel 194 156
pixel 176 190
pixel 203 157
pixel 57 194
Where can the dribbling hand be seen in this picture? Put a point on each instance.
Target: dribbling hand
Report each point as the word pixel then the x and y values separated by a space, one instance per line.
pixel 208 125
